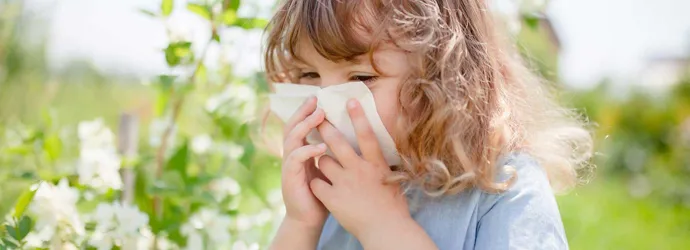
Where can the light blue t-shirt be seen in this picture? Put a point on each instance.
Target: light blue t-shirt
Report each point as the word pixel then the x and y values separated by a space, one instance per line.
pixel 524 217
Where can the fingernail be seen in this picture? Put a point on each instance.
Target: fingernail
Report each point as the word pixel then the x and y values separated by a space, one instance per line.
pixel 321 146
pixel 352 103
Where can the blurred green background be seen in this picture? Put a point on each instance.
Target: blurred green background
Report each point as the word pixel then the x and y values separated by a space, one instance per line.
pixel 638 196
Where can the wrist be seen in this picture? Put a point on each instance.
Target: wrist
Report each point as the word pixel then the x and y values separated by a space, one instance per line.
pixel 381 229
pixel 302 226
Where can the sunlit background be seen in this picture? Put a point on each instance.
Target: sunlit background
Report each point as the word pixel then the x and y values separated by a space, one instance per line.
pixel 149 112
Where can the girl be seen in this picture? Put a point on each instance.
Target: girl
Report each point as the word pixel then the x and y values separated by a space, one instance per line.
pixel 482 142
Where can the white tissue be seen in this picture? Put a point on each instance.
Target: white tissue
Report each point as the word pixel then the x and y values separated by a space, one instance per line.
pixel 332 100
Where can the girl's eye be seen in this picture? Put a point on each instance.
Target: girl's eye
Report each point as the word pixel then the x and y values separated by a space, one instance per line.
pixel 365 79
pixel 310 75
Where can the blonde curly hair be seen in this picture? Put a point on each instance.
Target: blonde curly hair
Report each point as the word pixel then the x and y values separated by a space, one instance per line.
pixel 469 101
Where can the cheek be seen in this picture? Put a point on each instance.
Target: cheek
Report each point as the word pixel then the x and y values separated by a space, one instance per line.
pixel 387 107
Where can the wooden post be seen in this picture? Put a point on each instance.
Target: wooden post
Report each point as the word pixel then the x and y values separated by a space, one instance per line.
pixel 127 143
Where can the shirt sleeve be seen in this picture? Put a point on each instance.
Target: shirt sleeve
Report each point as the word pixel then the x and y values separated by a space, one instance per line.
pixel 525 216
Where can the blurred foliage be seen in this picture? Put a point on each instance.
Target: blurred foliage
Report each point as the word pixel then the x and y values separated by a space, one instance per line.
pixel 639 198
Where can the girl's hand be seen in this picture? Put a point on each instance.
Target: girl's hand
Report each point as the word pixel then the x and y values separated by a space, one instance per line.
pixel 358 197
pixel 298 168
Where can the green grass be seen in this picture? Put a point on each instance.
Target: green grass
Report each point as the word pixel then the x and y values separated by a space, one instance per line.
pixel 602 215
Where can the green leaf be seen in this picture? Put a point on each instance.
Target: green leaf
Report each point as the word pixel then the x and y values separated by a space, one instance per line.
pixel 171 58
pixel 53 146
pixel 162 99
pixel 148 12
pixel 229 17
pixel 166 82
pixel 48 118
pixel 532 21
pixel 25 225
pixel 164 87
pixel 11 231
pixel 251 23
pixel 10 243
pixel 19 150
pixel 167 7
pixel 24 201
pixel 178 162
pixel 231 4
pixel 142 184
pixel 201 76
pixel 176 52
pixel 201 10
pixel 215 36
pixel 248 157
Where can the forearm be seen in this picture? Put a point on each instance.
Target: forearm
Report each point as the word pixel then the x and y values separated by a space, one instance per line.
pixel 294 235
pixel 400 234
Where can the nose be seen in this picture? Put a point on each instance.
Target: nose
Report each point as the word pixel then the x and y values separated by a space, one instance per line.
pixel 331 80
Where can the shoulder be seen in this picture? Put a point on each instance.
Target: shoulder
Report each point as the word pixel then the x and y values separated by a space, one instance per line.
pixel 529 177
pixel 524 215
pixel 530 187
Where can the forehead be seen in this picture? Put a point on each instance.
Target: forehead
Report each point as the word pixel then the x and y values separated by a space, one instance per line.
pixel 336 29
pixel 387 59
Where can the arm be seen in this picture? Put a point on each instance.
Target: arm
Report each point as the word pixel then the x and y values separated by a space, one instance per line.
pixel 294 235
pixel 524 217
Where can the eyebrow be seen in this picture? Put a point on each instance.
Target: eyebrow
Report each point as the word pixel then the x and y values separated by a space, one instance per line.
pixel 300 63
pixel 361 59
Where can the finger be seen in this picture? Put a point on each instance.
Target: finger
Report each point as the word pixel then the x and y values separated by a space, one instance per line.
pixel 368 143
pixel 296 136
pixel 307 108
pixel 330 168
pixel 314 172
pixel 321 190
pixel 302 154
pixel 345 154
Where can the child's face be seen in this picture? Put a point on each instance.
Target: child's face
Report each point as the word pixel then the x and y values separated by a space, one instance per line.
pixel 391 61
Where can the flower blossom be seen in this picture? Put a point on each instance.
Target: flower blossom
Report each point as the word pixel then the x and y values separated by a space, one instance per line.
pixel 54 207
pixel 210 225
pixel 117 224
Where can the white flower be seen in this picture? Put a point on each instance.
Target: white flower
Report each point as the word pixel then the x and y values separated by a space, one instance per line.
pixel 243 51
pixel 99 164
pixel 201 143
pixel 146 241
pixel 243 223
pixel 241 245
pixel 13 138
pixel 195 241
pixel 94 134
pixel 55 211
pixel 117 224
pixel 237 100
pixel 158 128
pixel 263 217
pixel 507 12
pixel 99 169
pixel 207 223
pixel 231 149
pixel 531 6
pixel 256 8
pixel 179 29
pixel 224 187
pixel 275 197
